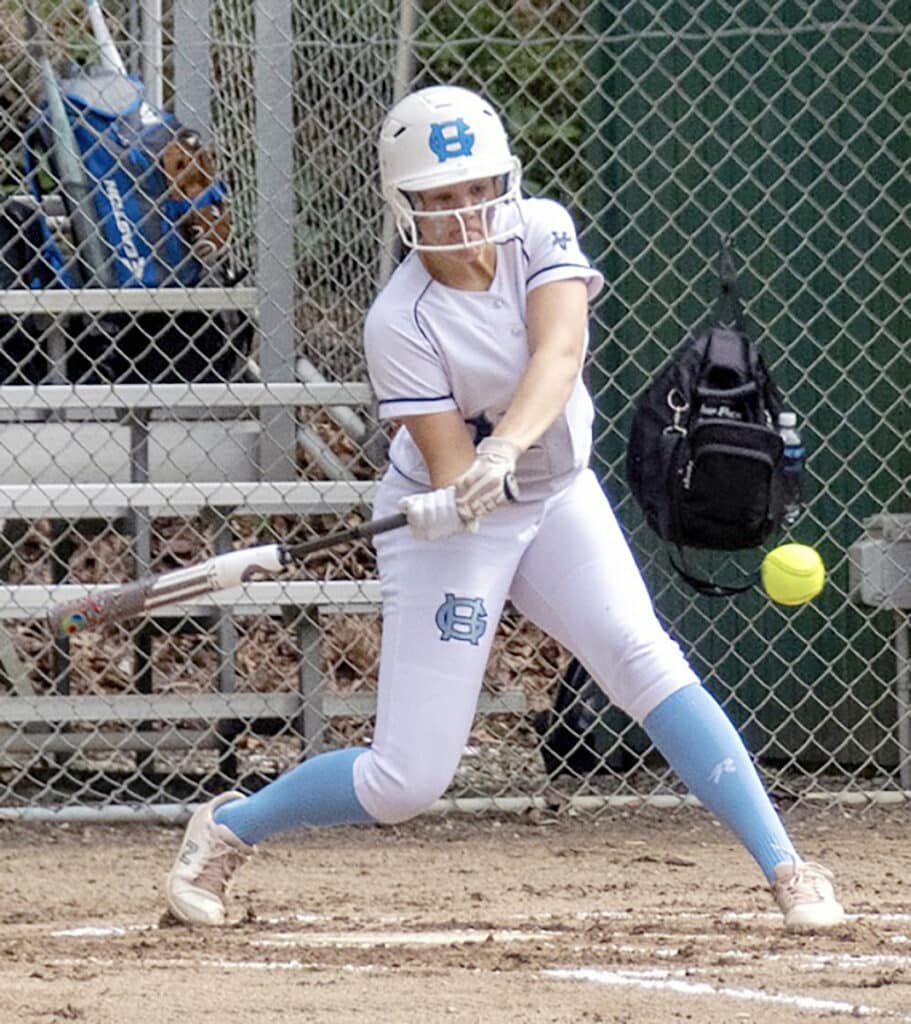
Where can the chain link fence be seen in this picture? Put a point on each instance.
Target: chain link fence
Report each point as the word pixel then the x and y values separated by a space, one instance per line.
pixel 193 380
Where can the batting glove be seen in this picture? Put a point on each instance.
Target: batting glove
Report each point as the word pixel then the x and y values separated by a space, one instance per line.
pixel 433 515
pixel 487 483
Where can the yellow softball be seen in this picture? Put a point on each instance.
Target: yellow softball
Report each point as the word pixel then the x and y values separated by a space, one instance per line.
pixel 793 574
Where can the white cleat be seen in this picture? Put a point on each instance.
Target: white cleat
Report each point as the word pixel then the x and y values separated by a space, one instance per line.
pixel 208 857
pixel 805 894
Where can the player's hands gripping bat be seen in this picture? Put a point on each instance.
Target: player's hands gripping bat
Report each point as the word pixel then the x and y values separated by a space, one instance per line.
pixel 433 515
pixel 105 607
pixel 489 481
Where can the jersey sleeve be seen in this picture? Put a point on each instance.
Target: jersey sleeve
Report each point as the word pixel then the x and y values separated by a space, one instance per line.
pixel 553 250
pixel 407 374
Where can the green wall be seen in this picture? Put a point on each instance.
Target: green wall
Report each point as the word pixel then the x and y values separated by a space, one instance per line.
pixel 785 125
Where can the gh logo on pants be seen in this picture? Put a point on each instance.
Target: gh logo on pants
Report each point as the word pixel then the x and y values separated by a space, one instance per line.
pixel 462 618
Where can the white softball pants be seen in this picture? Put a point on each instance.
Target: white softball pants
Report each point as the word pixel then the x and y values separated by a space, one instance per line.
pixel 565 565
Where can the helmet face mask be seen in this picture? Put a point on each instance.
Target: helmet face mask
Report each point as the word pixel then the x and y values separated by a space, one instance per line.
pixel 447 136
pixel 468 217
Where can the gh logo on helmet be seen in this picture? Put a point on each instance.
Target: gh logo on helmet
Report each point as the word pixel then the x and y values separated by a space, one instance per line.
pixel 450 139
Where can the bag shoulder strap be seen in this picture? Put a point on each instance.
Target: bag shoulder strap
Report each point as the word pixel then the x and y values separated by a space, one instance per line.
pixel 729 316
pixel 709 588
pixel 728 309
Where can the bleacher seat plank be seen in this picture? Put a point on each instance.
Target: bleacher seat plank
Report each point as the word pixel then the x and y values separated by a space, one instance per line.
pixel 178 397
pixel 267 597
pixel 70 302
pixel 108 500
pixel 248 706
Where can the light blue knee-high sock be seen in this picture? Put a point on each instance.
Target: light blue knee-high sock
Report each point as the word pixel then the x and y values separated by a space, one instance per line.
pixel 318 792
pixel 699 742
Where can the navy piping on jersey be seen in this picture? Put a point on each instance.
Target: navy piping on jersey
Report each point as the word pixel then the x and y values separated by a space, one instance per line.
pixel 515 238
pixel 556 266
pixel 429 340
pixel 434 398
pixel 426 288
pixel 417 321
pixel 405 476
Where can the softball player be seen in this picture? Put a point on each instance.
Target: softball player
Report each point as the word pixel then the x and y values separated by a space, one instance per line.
pixel 476 346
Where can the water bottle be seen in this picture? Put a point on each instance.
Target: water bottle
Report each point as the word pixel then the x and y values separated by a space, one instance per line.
pixel 792 466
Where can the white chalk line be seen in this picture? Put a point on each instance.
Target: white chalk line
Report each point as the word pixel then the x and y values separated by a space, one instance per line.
pixel 654 981
pixel 728 915
pixel 807 961
pixel 107 931
pixel 348 938
pixel 804 961
pixel 101 931
pixel 177 963
pixel 417 938
pixel 801 961
pixel 647 980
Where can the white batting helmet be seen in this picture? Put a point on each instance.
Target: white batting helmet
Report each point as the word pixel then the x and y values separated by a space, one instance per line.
pixel 443 135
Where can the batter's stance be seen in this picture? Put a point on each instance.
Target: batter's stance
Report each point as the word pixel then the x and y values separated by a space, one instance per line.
pixel 476 345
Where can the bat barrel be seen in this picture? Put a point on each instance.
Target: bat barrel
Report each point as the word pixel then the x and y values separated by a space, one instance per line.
pixel 98 609
pixel 218 573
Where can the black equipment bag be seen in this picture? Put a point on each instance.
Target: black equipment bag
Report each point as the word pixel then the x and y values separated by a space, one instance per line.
pixel 155 206
pixel 26 261
pixel 584 734
pixel 705 459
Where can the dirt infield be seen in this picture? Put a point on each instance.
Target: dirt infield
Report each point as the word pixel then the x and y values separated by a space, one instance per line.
pixel 648 917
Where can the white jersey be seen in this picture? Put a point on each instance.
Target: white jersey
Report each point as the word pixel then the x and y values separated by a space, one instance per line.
pixel 431 348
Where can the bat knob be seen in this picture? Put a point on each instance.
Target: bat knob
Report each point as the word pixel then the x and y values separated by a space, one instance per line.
pixel 72 617
pixel 511 487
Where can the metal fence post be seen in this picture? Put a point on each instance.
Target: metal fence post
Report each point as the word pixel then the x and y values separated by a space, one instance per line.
pixel 192 66
pixel 274 224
